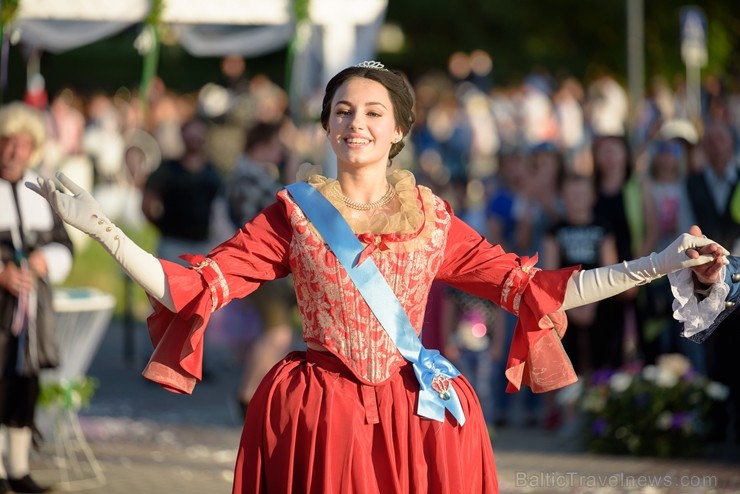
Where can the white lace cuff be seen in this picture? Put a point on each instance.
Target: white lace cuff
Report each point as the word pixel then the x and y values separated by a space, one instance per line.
pixel 696 315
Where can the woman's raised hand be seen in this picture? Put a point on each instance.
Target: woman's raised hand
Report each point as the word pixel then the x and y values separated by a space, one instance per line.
pixel 689 251
pixel 79 208
pixel 83 212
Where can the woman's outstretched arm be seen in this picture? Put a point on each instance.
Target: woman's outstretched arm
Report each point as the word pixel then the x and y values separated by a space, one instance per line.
pixel 83 212
pixel 687 251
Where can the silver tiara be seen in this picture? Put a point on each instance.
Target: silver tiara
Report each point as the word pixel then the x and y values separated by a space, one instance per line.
pixel 371 64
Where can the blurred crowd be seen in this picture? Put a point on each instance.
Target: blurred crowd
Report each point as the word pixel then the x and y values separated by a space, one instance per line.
pixel 561 168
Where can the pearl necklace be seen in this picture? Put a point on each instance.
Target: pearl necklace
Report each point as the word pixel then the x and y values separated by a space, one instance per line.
pixel 366 206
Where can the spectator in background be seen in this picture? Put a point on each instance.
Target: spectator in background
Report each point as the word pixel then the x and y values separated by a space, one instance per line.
pixel 714 202
pixel 509 228
pixel 542 205
pixel 656 108
pixel 506 117
pixel 35 252
pixel 685 133
pixel 666 180
pixel 164 118
pixel 485 140
pixel 251 187
pixel 445 132
pixel 103 139
pixel 472 327
pixel 65 128
pixel 606 107
pixel 711 191
pixel 580 238
pixel 178 196
pixel 538 118
pixel 234 76
pixel 714 103
pixel 504 205
pixel 568 108
pixel 625 202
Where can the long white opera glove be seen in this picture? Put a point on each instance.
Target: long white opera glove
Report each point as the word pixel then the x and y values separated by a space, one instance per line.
pixel 83 212
pixel 592 285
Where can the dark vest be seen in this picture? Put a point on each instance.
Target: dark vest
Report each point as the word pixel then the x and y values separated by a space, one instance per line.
pixel 719 226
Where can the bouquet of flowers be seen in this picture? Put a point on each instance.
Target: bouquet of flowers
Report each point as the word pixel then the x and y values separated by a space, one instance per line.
pixel 68 394
pixel 657 410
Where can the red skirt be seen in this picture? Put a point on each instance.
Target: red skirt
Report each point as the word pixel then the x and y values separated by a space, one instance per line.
pixel 313 427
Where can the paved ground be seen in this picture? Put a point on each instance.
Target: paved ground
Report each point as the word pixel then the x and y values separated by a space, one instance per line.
pixel 149 441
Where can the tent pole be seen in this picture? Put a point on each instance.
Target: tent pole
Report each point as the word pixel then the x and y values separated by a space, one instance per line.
pixel 3 57
pixel 151 59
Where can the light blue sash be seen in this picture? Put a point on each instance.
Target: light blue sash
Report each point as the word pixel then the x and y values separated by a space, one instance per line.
pixel 432 370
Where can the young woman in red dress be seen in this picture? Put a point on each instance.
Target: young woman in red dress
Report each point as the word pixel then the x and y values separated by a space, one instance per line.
pixel 354 413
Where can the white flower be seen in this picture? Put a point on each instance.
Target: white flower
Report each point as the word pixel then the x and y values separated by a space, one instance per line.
pixel 675 363
pixel 620 382
pixel 717 391
pixel 664 421
pixel 666 378
pixel 622 432
pixel 594 402
pixel 650 373
pixel 569 395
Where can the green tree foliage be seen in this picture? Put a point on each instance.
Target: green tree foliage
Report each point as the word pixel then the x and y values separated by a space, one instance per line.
pixel 575 37
pixel 8 11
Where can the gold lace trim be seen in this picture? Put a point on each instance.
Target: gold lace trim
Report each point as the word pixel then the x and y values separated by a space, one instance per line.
pixel 402 216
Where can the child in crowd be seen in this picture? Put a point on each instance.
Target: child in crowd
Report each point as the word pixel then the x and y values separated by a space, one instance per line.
pixel 580 238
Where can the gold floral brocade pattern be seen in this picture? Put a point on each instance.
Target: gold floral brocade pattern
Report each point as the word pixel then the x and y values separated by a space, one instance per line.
pixel 413 230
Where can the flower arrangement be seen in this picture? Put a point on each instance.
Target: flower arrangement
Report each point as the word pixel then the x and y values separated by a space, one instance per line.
pixel 68 394
pixel 657 410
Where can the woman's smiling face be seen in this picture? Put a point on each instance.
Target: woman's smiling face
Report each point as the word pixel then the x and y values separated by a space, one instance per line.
pixel 362 126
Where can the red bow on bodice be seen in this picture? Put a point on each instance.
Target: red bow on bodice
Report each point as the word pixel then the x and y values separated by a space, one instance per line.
pixel 372 243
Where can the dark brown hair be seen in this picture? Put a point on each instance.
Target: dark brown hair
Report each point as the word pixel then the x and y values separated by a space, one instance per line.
pixel 261 133
pixel 399 91
pixel 598 141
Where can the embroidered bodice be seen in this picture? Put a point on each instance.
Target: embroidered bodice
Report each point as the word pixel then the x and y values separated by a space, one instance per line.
pixel 334 313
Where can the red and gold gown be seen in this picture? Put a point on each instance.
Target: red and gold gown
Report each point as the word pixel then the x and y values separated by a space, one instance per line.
pixel 341 416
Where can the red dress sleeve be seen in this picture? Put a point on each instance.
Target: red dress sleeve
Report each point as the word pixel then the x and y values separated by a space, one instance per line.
pixel 536 356
pixel 258 252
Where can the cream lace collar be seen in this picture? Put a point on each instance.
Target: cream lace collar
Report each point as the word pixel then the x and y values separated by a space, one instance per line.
pixel 403 215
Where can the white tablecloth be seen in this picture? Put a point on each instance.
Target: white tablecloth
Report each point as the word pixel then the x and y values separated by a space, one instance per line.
pixel 82 318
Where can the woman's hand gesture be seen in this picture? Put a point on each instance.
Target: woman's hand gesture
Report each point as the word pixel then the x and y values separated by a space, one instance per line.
pixel 78 209
pixel 707 273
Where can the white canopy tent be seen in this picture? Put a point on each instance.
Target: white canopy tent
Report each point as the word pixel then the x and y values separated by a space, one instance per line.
pixel 60 26
pixel 342 32
pixel 175 11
